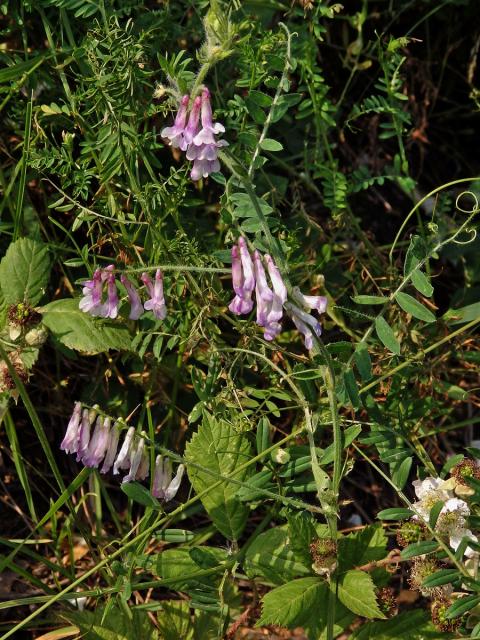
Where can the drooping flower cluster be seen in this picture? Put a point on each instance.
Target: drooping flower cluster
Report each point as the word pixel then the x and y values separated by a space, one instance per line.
pixel 451 522
pixel 249 276
pixel 93 303
pixel 199 142
pixel 101 446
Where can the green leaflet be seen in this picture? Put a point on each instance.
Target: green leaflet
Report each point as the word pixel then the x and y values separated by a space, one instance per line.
pixel 81 332
pixel 174 620
pixel 219 448
pixel 294 603
pixel 356 591
pixel 24 271
pixel 271 557
pixel 414 307
pixel 386 335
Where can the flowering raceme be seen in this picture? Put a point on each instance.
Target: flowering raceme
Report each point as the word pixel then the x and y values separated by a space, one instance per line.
pixel 199 143
pixel 101 447
pixel 249 275
pixel 92 300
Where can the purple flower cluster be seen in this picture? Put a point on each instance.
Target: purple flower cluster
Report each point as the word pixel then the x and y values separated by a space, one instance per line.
pixel 100 448
pixel 92 301
pixel 249 276
pixel 199 142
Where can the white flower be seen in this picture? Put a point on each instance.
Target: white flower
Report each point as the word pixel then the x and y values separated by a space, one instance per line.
pixel 429 492
pixel 457 537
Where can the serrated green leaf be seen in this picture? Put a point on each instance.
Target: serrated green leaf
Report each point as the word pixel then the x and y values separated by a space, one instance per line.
pixel 219 448
pixel 270 557
pixel 271 145
pixel 356 591
pixel 81 332
pixel 294 603
pixel 414 307
pixel 386 335
pixel 24 271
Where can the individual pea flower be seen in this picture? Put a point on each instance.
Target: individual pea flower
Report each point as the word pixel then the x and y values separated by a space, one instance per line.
pixel 429 492
pixel 97 447
pixel 305 323
pixel 123 459
pixel 112 446
pixel 176 133
pixel 209 129
pixel 204 147
pixel 156 303
pixel 136 457
pixel 205 161
pixel 279 290
pixel 164 488
pixel 263 293
pixel 243 278
pixel 192 127
pixel 92 294
pixel 70 441
pixel 88 418
pixel 110 307
pixel 311 302
pixel 136 306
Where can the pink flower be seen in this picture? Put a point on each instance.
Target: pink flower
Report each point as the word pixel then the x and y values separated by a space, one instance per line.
pixel 263 293
pixel 98 444
pixel 311 302
pixel 176 134
pixel 123 459
pixel 135 461
pixel 243 279
pixel 164 488
pixel 156 304
pixel 136 306
pixel 110 308
pixel 206 136
pixel 191 129
pixel 70 441
pixel 204 147
pixel 88 418
pixel 92 294
pixel 305 323
pixel 111 448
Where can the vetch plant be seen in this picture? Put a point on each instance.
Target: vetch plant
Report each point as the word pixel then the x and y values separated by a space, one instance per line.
pixel 220 235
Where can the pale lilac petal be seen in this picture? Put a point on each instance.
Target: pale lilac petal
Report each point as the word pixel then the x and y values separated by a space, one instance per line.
pixel 123 458
pixel 311 302
pixel 88 418
pixel 135 461
pixel 174 486
pixel 136 306
pixel 112 446
pixel 70 441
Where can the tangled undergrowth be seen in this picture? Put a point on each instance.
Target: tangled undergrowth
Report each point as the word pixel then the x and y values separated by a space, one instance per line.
pixel 239 298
